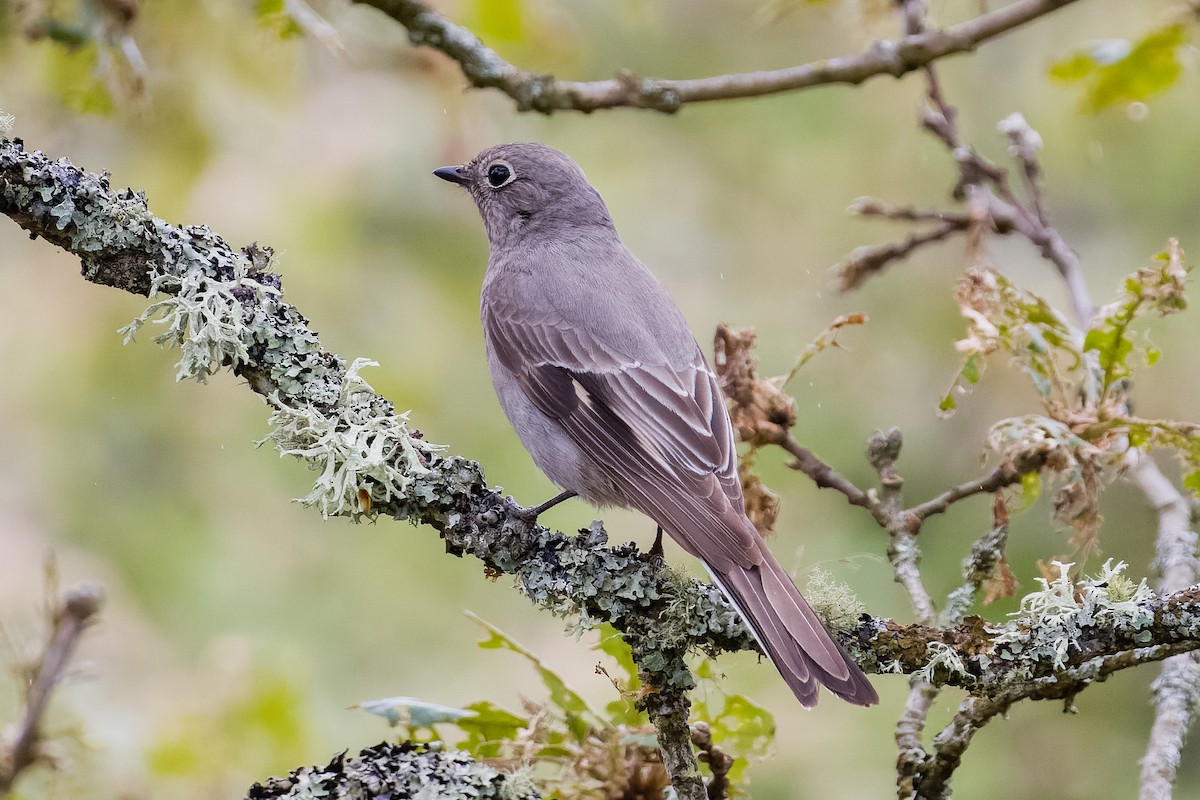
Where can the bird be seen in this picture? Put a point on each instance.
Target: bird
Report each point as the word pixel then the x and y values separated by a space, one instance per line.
pixel 611 395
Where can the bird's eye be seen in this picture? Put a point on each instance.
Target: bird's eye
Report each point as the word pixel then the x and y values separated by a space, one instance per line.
pixel 499 174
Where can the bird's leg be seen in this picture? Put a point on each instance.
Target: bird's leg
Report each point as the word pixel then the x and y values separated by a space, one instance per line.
pixel 656 550
pixel 533 512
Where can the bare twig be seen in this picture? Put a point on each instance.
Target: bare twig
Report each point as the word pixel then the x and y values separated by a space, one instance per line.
pixel 484 68
pixel 952 742
pixel 867 261
pixel 668 711
pixel 1177 689
pixel 874 207
pixel 71 617
pixel 1004 475
pixel 826 477
pixel 904 554
pixel 912 761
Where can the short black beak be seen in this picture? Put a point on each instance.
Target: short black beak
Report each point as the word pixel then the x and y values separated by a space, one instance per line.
pixel 452 174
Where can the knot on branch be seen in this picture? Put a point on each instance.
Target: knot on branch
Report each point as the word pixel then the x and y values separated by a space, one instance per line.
pixel 656 95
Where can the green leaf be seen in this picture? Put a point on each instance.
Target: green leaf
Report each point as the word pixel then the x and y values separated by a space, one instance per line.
pixel 501 20
pixel 615 647
pixel 1116 73
pixel 1031 488
pixel 488 728
pixel 970 369
pixel 1139 436
pixel 273 15
pixel 580 717
pixel 1074 67
pixel 621 711
pixel 72 75
pixel 1191 482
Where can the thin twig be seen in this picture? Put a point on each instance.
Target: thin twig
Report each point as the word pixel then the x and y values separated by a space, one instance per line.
pixel 668 711
pixel 952 742
pixel 1004 475
pixel 70 619
pixel 826 477
pixel 484 68
pixel 912 760
pixel 864 262
pixel 1176 690
pixel 904 553
pixel 874 207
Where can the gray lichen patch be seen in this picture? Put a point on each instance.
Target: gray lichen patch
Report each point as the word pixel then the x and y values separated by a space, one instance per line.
pixel 398 770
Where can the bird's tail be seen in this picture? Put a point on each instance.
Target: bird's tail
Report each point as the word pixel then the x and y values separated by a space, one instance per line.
pixel 792 635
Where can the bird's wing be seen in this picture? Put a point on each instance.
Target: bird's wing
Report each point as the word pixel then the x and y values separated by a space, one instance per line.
pixel 660 430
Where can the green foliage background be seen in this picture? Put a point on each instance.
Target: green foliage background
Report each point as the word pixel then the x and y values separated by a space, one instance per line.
pixel 241 627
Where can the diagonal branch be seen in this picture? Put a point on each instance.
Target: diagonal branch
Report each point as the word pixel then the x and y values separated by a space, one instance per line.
pixel 484 68
pixel 72 616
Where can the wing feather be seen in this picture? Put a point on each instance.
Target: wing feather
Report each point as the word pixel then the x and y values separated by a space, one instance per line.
pixel 654 427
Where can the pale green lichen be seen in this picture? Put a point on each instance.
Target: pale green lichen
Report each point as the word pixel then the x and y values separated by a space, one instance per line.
pixel 835 602
pixel 1055 616
pixel 6 124
pixel 204 318
pixel 943 658
pixel 359 444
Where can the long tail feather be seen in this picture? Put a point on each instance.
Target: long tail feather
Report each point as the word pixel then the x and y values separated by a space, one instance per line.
pixel 792 635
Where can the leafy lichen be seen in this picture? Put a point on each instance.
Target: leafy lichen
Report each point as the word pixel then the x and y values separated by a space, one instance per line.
pixel 361 447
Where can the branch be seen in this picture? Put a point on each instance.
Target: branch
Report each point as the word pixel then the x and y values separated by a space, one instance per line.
pixel 397 770
pixel 1176 691
pixel 1002 476
pixel 72 616
pixel 1036 656
pixel 484 68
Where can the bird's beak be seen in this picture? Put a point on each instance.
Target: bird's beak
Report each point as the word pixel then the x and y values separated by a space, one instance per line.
pixel 452 174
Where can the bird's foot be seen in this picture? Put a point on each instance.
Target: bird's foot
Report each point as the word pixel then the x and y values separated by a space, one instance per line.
pixel 656 551
pixel 533 512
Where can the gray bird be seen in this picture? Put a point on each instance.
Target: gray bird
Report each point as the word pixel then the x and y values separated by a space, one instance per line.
pixel 614 400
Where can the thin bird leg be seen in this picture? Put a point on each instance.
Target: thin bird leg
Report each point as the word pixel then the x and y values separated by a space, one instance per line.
pixel 656 550
pixel 533 512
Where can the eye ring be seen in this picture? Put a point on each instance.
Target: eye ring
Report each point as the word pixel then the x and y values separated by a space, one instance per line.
pixel 500 174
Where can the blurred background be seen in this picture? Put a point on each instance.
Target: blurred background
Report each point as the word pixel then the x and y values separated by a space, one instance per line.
pixel 240 626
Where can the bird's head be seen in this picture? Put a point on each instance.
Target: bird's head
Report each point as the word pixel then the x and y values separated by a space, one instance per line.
pixel 520 188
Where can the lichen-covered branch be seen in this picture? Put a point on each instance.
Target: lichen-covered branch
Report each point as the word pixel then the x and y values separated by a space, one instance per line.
pixel 484 68
pixel 69 619
pixel 399 770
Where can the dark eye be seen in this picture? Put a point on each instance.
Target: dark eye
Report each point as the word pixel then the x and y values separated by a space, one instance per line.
pixel 498 175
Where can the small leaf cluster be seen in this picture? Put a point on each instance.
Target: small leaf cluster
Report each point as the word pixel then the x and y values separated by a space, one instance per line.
pixel 1121 71
pixel 1082 378
pixel 564 743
